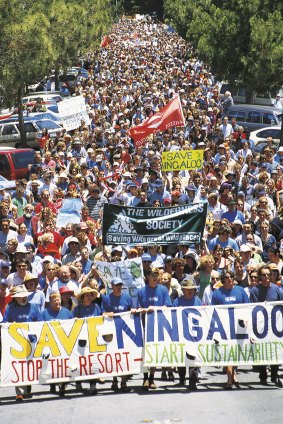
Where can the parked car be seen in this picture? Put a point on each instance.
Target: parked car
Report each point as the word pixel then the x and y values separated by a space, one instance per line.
pixel 262 134
pixel 8 185
pixel 45 115
pixel 47 97
pixel 35 116
pixel 254 117
pixel 14 163
pixel 259 137
pixel 10 133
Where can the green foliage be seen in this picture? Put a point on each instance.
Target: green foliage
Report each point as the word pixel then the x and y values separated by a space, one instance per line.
pixel 240 39
pixel 40 35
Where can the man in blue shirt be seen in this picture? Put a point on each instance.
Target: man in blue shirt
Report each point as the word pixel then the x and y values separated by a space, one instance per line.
pixel 117 302
pixel 229 294
pixel 150 297
pixel 55 312
pixel 189 298
pixel 223 239
pixel 160 193
pixel 232 214
pixel 266 291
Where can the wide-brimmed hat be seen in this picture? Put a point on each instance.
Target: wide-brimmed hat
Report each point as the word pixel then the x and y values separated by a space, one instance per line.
pixel 19 291
pixel 30 277
pixel 75 269
pixel 86 290
pixel 189 283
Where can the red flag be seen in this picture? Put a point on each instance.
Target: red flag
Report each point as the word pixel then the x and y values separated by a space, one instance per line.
pixel 169 116
pixel 105 41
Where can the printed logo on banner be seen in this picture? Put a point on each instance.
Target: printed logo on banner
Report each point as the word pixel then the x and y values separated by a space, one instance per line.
pixel 122 224
pixel 130 225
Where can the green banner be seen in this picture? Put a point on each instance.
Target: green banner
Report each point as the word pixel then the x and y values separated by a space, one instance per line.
pixel 128 225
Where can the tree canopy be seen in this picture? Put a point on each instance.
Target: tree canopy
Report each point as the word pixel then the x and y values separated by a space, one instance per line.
pixel 240 40
pixel 40 35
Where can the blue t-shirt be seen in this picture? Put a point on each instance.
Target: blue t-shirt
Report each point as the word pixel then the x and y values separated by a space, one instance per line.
pixel 117 304
pixel 22 313
pixel 49 315
pixel 232 216
pixel 37 298
pixel 157 296
pixel 261 293
pixel 81 311
pixel 182 301
pixel 229 243
pixel 232 296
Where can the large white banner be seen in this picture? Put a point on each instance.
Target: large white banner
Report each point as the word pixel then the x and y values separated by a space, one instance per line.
pixel 71 350
pixel 130 271
pixel 72 111
pixel 215 336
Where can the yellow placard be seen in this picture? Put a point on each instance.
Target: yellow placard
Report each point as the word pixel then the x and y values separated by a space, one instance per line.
pixel 180 160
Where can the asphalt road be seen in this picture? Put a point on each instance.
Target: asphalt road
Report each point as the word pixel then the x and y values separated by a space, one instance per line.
pixel 252 403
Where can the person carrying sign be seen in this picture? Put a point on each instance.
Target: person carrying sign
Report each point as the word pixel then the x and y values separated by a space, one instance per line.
pixel 20 310
pixel 87 308
pixel 229 294
pixel 116 303
pixel 150 297
pixel 189 298
pixel 266 291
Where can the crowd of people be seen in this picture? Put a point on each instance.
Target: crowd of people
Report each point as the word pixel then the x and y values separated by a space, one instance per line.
pixel 49 273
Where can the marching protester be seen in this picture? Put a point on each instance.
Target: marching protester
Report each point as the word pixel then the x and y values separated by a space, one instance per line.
pixel 229 294
pixel 21 310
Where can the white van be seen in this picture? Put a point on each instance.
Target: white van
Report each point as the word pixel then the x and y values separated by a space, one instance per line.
pixel 45 97
pixel 239 94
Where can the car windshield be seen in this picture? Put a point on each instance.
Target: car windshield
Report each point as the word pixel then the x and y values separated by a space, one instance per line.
pixel 49 125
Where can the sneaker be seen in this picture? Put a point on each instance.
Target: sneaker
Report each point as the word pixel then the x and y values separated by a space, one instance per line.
pixel 152 385
pixel 145 385
pixel 93 389
pixel 19 398
pixel 114 385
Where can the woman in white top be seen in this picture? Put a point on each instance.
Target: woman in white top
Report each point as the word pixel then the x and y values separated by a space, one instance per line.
pixel 23 236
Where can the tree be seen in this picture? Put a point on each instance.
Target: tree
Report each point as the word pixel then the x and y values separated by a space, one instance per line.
pixel 25 49
pixel 39 35
pixel 240 40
